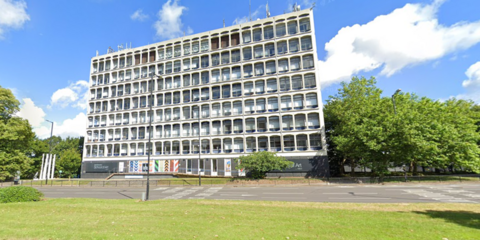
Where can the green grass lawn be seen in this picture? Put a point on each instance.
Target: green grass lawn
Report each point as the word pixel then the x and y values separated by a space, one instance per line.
pixel 217 219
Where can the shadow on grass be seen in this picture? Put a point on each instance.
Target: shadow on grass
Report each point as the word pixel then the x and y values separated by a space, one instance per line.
pixel 463 218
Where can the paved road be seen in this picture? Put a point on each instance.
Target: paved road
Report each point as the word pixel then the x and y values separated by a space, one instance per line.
pixel 457 193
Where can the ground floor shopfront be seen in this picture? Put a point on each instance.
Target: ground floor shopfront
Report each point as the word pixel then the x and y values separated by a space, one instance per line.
pixel 314 166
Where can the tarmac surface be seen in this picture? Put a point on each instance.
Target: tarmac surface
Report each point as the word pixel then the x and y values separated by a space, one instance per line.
pixel 407 193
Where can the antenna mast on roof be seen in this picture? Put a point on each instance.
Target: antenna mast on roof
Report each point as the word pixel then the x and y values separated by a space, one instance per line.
pixel 250 10
pixel 268 11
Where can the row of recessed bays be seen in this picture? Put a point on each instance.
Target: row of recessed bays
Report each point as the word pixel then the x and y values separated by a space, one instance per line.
pixel 300 142
pixel 206 45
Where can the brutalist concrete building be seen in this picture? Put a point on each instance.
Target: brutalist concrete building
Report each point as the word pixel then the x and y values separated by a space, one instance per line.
pixel 224 93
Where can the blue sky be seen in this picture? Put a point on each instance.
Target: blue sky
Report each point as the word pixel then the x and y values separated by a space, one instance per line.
pixel 429 47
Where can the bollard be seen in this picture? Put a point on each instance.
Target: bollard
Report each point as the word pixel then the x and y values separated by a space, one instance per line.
pixel 144 196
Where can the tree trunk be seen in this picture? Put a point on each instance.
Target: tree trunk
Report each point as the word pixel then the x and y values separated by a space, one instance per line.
pixel 342 166
pixel 352 165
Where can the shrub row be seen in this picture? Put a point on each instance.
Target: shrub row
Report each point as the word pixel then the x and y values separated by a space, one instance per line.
pixel 19 194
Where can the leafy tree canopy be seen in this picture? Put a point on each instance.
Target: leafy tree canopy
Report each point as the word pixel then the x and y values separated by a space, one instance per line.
pixel 259 163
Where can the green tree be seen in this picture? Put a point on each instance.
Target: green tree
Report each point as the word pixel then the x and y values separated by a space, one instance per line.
pixel 259 163
pixel 69 162
pixel 16 136
pixel 37 149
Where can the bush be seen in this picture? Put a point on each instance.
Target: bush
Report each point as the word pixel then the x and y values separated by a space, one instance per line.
pixel 19 194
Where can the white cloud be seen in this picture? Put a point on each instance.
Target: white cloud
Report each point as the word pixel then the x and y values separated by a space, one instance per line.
pixel 74 127
pixel 139 15
pixel 75 94
pixel 169 25
pixel 407 36
pixel 472 84
pixel 244 19
pixel 12 15
pixel 35 115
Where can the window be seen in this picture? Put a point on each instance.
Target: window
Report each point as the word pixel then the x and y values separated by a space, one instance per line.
pixel 262 124
pixel 215 92
pixel 216 110
pixel 238 145
pixel 215 75
pixel 237 90
pixel 236 73
pixel 227 127
pixel 237 108
pixel 195 79
pixel 293 45
pixel 315 142
pixel 195 61
pixel 275 144
pixel 286 103
pixel 282 47
pixel 292 27
pixel 298 102
pixel 269 50
pixel 217 148
pixel 306 43
pixel 186 96
pixel 300 122
pixel 176 97
pixel 310 81
pixel 295 63
pixel 205 79
pixel 270 67
pixel 176 116
pixel 260 105
pixel 250 125
pixel 227 145
pixel 259 70
pixel 301 142
pixel 186 80
pixel 225 91
pixel 251 144
pixel 272 85
pixel 214 43
pixel 185 146
pixel 225 57
pixel 258 51
pixel 249 106
pixel 168 83
pixel 205 94
pixel 246 37
pixel 176 82
pixel 168 98
pixel 161 55
pixel 159 100
pixel 247 53
pixel 311 100
pixel 313 121
pixel 216 128
pixel 259 87
pixel 235 56
pixel 226 74
pixel 305 25
pixel 247 71
pixel 205 111
pixel 204 61
pixel 273 104
pixel 204 45
pixel 186 113
pixel 238 126
pixel 257 35
pixel 160 70
pixel 177 51
pixel 288 143
pixel 262 144
pixel 297 82
pixel 195 47
pixel 215 59
pixel 283 65
pixel 280 29
pixel 308 62
pixel 224 41
pixel 169 52
pixel 268 32
pixel 195 115
pixel 248 88
pixel 168 68
pixel 186 49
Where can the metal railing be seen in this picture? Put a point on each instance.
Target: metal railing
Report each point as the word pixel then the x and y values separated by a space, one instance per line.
pixel 242 182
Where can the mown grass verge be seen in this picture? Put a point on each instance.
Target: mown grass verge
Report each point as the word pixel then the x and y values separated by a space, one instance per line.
pixel 220 219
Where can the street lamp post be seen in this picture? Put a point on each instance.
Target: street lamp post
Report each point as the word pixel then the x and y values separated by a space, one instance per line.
pixel 50 150
pixel 147 195
pixel 199 149
pixel 404 167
